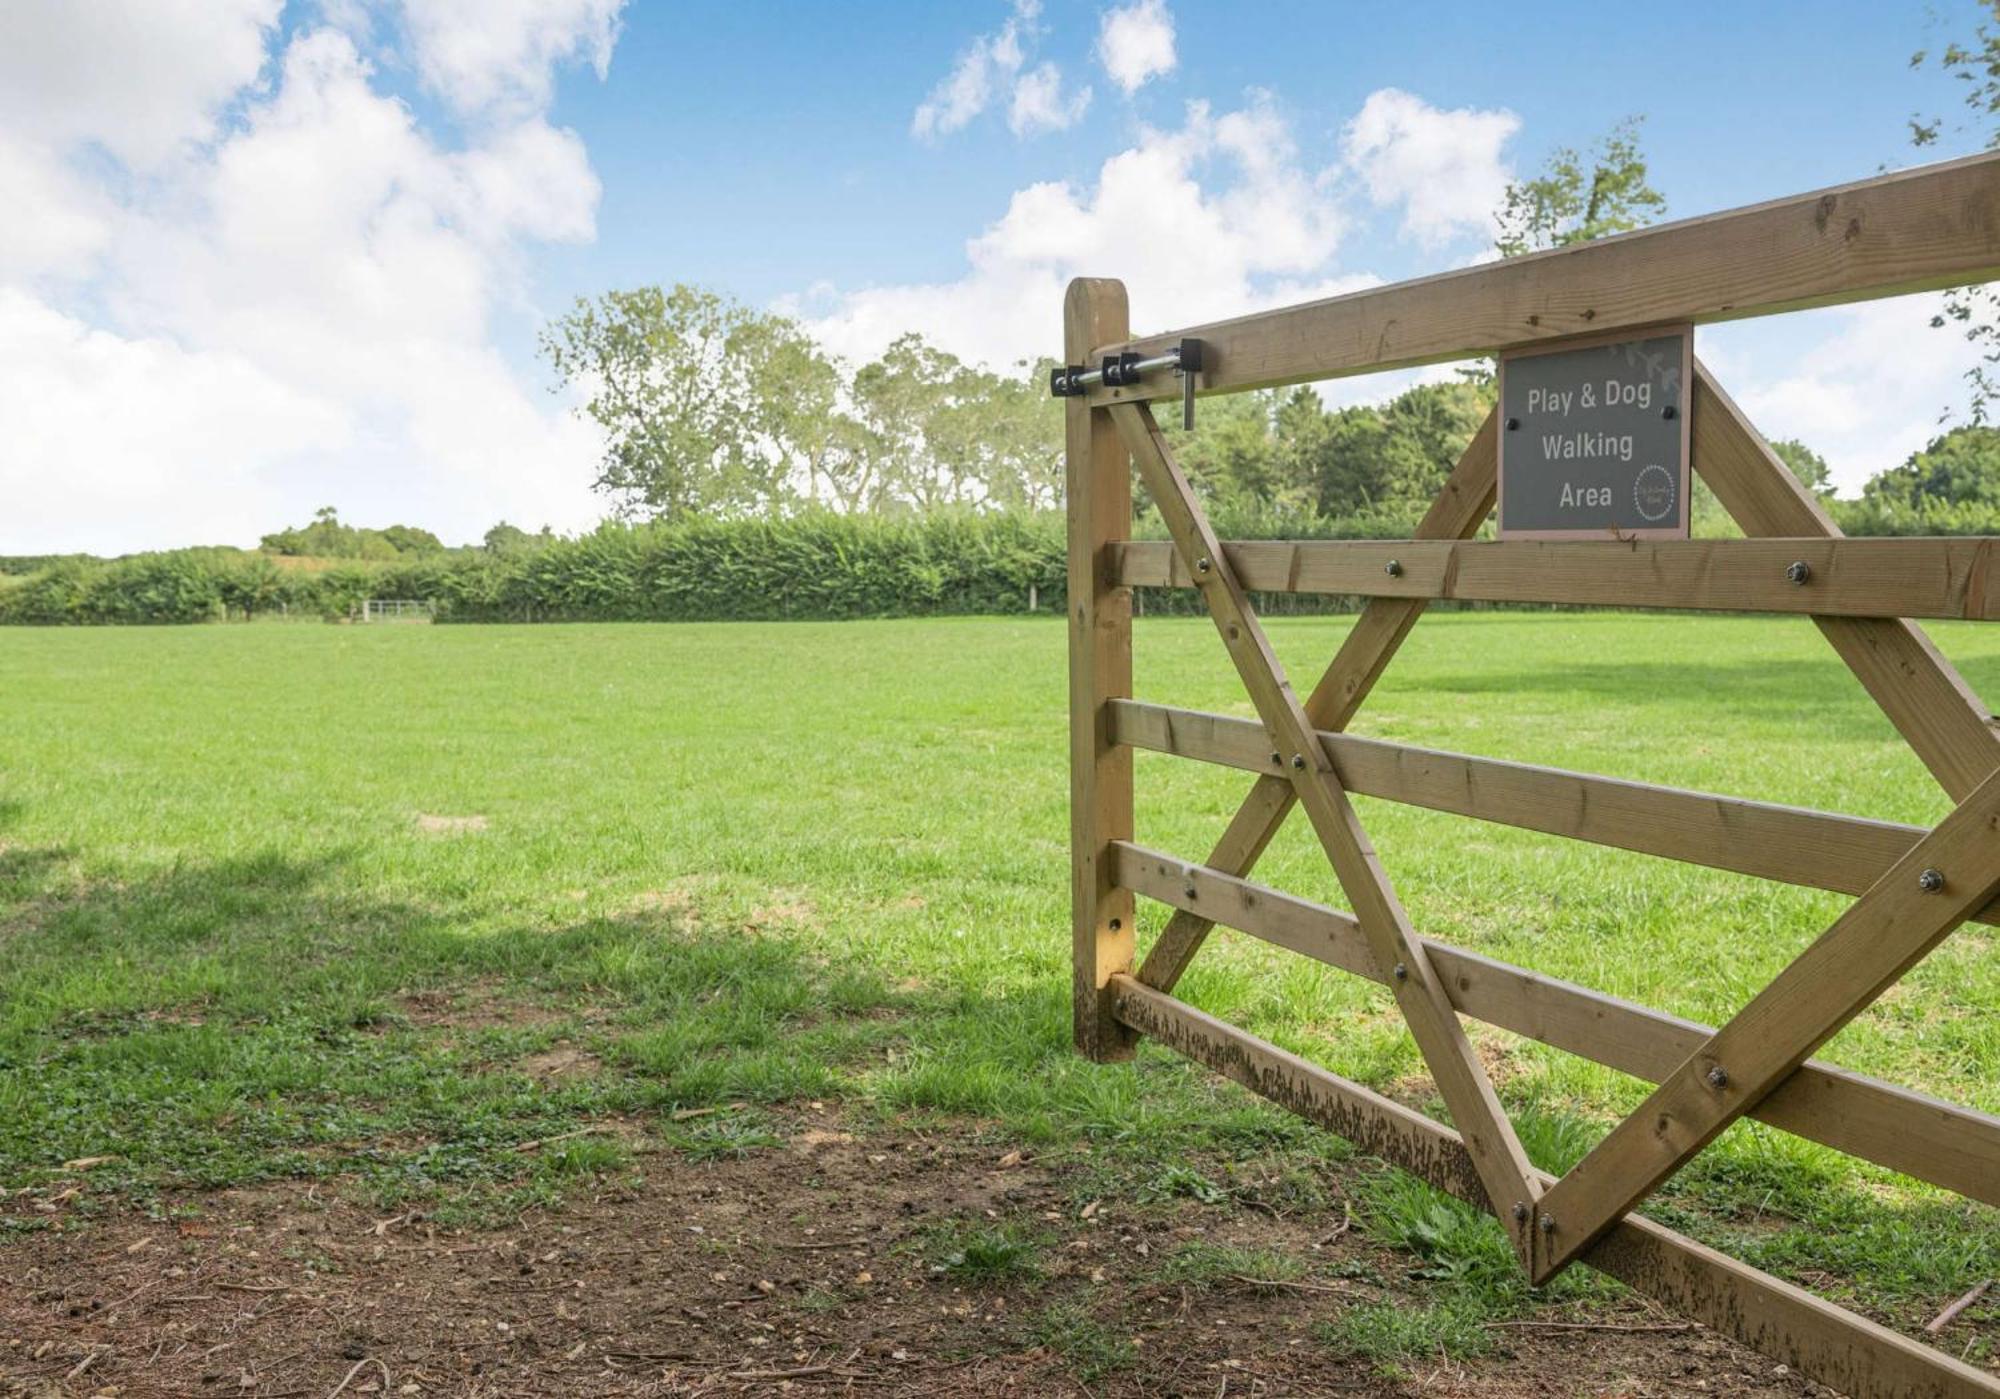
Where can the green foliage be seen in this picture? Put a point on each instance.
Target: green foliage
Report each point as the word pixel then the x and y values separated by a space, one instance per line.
pixel 1580 197
pixel 1091 1348
pixel 1806 464
pixel 327 538
pixel 1391 1331
pixel 985 1253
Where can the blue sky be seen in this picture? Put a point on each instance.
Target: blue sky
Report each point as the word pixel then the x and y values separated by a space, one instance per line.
pixel 272 255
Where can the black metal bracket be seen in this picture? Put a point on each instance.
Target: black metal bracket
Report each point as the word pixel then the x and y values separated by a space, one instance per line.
pixel 1127 368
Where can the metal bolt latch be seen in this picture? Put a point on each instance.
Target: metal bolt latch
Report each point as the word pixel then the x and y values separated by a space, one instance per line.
pixel 1931 881
pixel 1394 568
pixel 1799 572
pixel 1718 1077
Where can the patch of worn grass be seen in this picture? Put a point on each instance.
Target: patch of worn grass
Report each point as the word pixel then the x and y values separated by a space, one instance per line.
pixel 1386 1332
pixel 1087 1345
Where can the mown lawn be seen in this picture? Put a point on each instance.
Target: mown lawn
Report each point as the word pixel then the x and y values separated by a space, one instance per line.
pixel 379 905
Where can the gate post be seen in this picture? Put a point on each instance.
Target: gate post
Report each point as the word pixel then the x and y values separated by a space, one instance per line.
pixel 1098 475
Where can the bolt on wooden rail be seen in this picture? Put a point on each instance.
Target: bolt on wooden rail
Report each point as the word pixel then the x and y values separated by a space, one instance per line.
pixel 1919 229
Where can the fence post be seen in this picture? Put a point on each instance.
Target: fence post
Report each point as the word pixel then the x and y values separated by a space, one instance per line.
pixel 1099 478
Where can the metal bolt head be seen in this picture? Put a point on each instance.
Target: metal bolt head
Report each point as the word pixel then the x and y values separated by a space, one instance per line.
pixel 1298 762
pixel 1670 412
pixel 1189 891
pixel 1718 1077
pixel 1799 572
pixel 1202 565
pixel 1548 1223
pixel 1931 880
pixel 1402 972
pixel 1394 568
pixel 1513 424
pixel 1520 1212
pixel 1277 760
pixel 1116 924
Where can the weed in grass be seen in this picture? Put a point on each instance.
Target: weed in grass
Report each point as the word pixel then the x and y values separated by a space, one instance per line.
pixel 1385 1332
pixel 1090 1348
pixel 1183 1182
pixel 984 1253
pixel 720 1138
pixel 1205 1265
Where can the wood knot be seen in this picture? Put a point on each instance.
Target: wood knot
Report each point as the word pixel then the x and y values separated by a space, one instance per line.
pixel 1823 211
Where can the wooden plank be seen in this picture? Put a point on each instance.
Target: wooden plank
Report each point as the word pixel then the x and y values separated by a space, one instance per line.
pixel 1908 577
pixel 1461 1079
pixel 1819 1340
pixel 1460 508
pixel 1944 1143
pixel 1100 669
pixel 1868 949
pixel 1935 711
pixel 1816 849
pixel 1915 230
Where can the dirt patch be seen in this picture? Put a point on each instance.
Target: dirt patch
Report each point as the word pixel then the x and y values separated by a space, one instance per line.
pixel 481 1006
pixel 563 1061
pixel 448 825
pixel 810 1270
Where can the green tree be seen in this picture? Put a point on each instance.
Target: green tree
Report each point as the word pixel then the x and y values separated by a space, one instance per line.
pixel 1962 467
pixel 1806 464
pixel 1975 67
pixel 1578 197
pixel 674 378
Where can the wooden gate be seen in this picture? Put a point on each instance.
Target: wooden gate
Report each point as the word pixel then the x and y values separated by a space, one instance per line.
pixel 1932 227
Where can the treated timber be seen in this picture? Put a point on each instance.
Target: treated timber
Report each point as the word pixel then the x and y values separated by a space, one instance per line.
pixel 1794 845
pixel 1943 1143
pixel 1951 578
pixel 1460 1077
pixel 1936 711
pixel 1869 948
pixel 1099 489
pixel 1915 230
pixel 1821 1341
pixel 1459 510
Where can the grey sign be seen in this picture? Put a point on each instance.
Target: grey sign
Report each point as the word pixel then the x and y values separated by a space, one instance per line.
pixel 1594 440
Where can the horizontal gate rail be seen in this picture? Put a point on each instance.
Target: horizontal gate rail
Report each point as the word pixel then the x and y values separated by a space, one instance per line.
pixel 1790 844
pixel 1838 1348
pixel 1923 1137
pixel 1916 230
pixel 1947 578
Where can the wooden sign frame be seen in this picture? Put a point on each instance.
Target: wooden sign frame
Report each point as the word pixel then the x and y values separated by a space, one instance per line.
pixel 1922 229
pixel 1683 482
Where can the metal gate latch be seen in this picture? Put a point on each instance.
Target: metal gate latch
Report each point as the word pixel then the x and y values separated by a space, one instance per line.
pixel 1121 370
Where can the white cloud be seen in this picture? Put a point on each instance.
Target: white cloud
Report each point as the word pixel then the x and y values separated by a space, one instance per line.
pixel 481 55
pixel 1219 217
pixel 141 78
pixel 1136 44
pixel 1863 385
pixel 1445 168
pixel 299 311
pixel 993 69
pixel 1039 104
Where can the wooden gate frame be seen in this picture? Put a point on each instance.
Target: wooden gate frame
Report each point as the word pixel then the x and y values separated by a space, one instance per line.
pixel 1922 229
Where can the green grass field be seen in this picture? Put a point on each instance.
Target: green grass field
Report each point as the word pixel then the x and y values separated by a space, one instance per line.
pixel 302 901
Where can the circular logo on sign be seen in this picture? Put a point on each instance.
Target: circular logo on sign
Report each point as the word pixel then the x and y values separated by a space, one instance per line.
pixel 1653 494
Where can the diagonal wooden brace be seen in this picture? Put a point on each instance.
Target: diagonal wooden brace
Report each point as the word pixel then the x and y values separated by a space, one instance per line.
pixel 1913 907
pixel 1460 508
pixel 1399 953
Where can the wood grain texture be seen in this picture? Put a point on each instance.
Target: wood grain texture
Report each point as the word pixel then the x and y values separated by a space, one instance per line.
pixel 1816 849
pixel 1915 230
pixel 1908 577
pixel 1787 1323
pixel 1461 1079
pixel 1868 949
pixel 1099 486
pixel 1459 510
pixel 1944 1143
